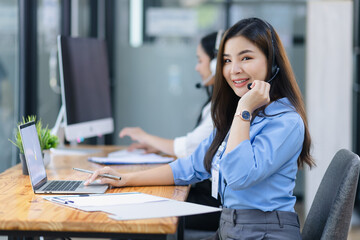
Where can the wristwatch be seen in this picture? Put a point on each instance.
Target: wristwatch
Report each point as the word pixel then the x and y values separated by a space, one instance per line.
pixel 244 115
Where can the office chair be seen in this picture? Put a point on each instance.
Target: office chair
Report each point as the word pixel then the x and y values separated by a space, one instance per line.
pixel 330 213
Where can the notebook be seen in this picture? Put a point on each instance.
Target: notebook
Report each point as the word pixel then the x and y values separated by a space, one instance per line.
pixel 36 168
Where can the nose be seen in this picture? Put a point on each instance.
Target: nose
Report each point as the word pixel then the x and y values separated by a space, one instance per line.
pixel 236 68
pixel 197 67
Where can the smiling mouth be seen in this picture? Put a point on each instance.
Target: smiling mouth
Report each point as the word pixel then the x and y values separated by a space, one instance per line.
pixel 240 81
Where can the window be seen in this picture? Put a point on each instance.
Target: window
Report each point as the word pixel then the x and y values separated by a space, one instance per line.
pixel 8 80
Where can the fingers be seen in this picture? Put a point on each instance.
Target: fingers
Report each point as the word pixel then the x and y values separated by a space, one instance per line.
pixel 151 150
pixel 124 132
pixel 258 96
pixel 129 131
pixel 135 133
pixel 112 182
pixel 260 89
pixel 146 147
pixel 134 146
pixel 97 173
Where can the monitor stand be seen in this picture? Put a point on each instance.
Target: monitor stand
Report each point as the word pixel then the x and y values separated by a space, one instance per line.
pixel 59 131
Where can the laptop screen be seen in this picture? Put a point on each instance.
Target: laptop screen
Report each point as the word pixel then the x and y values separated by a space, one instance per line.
pixel 32 151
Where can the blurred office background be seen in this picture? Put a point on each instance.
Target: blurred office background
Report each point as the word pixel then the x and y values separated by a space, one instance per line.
pixel 152 55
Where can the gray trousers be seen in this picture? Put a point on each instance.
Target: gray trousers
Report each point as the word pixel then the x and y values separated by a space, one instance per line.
pixel 237 224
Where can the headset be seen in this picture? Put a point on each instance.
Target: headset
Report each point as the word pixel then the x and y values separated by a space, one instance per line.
pixel 213 61
pixel 274 67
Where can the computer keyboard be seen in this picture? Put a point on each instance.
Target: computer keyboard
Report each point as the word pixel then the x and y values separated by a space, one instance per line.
pixel 62 186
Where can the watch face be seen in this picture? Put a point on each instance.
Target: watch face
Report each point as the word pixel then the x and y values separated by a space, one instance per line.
pixel 245 115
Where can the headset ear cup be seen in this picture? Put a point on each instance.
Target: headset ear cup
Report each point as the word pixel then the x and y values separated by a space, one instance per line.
pixel 274 68
pixel 213 66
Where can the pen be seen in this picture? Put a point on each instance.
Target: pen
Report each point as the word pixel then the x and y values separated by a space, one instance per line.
pixel 101 175
pixel 60 200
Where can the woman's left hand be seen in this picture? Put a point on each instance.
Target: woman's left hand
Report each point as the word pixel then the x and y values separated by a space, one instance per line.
pixel 257 97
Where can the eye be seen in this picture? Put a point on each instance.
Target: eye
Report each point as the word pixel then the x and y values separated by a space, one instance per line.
pixel 226 60
pixel 245 58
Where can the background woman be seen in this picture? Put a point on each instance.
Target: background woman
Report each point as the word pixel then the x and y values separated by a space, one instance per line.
pixel 184 146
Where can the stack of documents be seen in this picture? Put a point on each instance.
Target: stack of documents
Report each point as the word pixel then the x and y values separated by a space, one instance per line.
pixel 133 157
pixel 132 205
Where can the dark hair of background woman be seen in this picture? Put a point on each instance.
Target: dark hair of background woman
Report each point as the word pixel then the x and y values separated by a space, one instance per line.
pixel 208 44
pixel 224 100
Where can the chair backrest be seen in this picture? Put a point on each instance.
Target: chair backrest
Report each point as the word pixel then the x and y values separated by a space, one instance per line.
pixel 330 213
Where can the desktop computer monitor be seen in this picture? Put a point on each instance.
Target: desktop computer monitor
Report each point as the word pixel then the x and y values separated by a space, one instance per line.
pixel 85 87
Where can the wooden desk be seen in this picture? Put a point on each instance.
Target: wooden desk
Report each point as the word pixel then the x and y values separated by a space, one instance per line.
pixel 22 213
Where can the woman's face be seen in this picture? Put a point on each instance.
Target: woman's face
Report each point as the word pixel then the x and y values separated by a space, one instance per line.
pixel 203 65
pixel 243 62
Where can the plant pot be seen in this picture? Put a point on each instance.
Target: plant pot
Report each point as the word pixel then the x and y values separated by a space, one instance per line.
pixel 46 156
pixel 23 164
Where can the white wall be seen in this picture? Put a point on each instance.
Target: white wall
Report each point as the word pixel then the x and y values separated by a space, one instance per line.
pixel 328 85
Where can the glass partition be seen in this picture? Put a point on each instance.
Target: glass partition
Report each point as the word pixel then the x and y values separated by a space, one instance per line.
pixel 155 78
pixel 9 69
pixel 48 27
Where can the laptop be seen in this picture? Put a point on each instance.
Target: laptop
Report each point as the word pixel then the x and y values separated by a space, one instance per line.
pixel 36 168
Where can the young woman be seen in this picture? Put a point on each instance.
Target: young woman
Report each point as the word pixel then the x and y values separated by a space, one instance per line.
pixel 260 139
pixel 185 145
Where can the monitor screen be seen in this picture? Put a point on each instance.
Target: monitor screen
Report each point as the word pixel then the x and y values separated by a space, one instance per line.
pixel 85 87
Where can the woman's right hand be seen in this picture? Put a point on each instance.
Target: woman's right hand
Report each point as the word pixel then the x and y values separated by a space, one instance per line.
pixel 258 96
pixel 105 180
pixel 135 133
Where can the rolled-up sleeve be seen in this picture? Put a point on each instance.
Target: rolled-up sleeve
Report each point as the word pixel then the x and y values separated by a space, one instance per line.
pixel 184 146
pixel 180 147
pixel 191 169
pixel 278 142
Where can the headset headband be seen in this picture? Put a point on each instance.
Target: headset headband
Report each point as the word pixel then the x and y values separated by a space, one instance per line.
pixel 218 39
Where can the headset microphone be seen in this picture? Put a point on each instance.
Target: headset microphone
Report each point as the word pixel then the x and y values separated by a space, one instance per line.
pixel 203 83
pixel 272 78
pixel 276 72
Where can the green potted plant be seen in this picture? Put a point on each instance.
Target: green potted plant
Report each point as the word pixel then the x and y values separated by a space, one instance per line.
pixel 46 139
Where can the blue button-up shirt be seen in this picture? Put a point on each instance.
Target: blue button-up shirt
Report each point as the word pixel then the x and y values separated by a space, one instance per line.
pixel 259 173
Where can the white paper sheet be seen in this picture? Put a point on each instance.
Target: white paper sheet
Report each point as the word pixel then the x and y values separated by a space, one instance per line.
pixel 96 200
pixel 134 157
pixel 130 206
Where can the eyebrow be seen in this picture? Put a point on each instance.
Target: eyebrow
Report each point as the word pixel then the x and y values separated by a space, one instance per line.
pixel 240 53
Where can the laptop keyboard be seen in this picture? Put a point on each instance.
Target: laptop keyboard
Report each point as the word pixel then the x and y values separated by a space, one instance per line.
pixel 62 186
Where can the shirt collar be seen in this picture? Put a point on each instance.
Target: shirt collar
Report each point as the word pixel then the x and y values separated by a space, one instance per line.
pixel 275 108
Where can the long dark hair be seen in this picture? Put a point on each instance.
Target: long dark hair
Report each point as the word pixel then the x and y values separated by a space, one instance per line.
pixel 208 44
pixel 224 100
